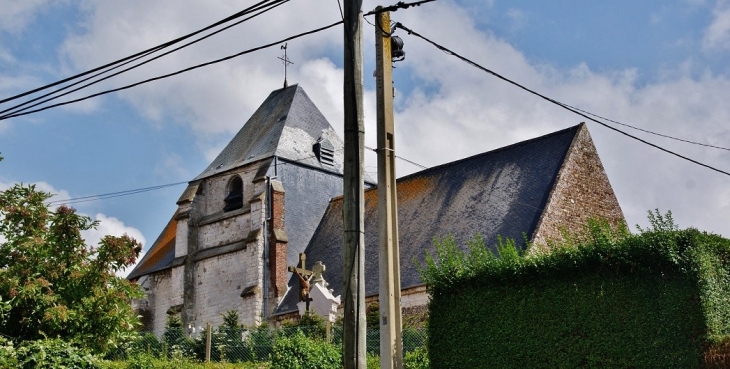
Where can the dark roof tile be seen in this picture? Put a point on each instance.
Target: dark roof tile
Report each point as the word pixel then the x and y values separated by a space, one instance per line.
pixel 497 193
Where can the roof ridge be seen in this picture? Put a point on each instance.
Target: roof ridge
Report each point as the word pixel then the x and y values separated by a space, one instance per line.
pixel 494 151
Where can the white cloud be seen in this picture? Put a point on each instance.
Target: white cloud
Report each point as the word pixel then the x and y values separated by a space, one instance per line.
pixel 454 111
pixel 213 100
pixel 113 227
pixel 717 34
pixel 58 195
pixel 108 225
pixel 17 14
pixel 469 112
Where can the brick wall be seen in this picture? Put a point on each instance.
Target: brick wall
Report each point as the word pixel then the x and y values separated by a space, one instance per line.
pixel 278 243
pixel 581 191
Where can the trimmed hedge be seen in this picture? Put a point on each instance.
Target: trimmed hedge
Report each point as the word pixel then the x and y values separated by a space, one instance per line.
pixel 658 299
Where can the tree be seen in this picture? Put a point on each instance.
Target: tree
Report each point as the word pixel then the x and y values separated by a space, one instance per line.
pixel 55 285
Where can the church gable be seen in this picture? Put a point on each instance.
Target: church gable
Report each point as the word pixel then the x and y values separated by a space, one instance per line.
pixel 582 191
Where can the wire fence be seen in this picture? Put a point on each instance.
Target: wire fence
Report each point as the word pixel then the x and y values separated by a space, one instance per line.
pixel 244 344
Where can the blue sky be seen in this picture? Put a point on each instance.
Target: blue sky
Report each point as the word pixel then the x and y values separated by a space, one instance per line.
pixel 659 65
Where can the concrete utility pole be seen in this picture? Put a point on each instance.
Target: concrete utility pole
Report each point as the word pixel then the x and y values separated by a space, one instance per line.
pixel 354 353
pixel 391 340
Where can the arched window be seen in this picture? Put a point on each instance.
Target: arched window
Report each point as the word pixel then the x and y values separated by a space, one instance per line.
pixel 234 199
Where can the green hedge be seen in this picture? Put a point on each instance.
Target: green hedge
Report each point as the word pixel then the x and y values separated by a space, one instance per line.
pixel 657 299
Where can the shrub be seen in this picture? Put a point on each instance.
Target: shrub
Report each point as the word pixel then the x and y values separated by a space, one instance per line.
pixel 56 284
pixel 416 359
pixel 604 298
pixel 8 356
pixel 52 354
pixel 301 352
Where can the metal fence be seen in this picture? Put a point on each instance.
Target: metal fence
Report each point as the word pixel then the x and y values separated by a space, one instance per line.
pixel 244 344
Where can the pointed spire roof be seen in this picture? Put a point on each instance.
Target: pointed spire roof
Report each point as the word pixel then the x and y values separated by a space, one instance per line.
pixel 286 125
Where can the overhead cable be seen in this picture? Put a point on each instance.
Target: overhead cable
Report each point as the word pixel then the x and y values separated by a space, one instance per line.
pixel 113 194
pixel 401 158
pixel 141 53
pixel 15 109
pixel 172 74
pixel 648 131
pixel 564 106
pixel 398 5
pixel 159 187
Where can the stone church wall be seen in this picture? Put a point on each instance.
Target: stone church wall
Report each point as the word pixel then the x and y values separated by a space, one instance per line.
pixel 225 231
pixel 164 291
pixel 220 280
pixel 216 189
pixel 581 191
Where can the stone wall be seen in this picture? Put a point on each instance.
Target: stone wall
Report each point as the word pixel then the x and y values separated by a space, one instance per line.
pixel 163 291
pixel 220 281
pixel 581 191
pixel 215 189
pixel 224 231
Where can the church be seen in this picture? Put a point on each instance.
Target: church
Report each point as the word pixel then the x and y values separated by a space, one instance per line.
pixel 275 192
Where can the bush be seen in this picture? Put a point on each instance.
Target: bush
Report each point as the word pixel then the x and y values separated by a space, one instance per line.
pixel 416 359
pixel 8 356
pixel 53 284
pixel 300 352
pixel 52 354
pixel 604 298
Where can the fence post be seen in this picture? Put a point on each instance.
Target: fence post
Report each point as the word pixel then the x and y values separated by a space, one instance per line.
pixel 208 335
pixel 328 331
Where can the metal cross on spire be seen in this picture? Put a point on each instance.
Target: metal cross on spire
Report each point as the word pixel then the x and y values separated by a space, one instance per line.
pixel 286 62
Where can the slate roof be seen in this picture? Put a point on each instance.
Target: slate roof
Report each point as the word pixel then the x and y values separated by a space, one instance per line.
pixel 286 125
pixel 160 255
pixel 501 192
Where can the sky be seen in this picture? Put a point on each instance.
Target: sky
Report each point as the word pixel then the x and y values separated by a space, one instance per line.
pixel 662 66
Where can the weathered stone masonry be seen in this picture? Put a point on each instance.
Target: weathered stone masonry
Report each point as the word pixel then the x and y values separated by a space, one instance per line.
pixel 581 191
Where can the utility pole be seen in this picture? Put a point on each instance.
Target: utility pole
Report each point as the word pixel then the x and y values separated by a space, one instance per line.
pixel 354 353
pixel 391 333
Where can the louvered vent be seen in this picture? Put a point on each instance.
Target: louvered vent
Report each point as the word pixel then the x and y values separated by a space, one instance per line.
pixel 325 153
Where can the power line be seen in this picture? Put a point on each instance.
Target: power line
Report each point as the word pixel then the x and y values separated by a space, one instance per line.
pixel 172 74
pixel 113 194
pixel 141 53
pixel 398 5
pixel 14 109
pixel 564 106
pixel 159 187
pixel 401 158
pixel 648 131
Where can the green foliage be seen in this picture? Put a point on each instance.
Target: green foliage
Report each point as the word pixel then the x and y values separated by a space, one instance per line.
pixel 300 352
pixel 601 298
pixel 372 316
pixel 416 359
pixel 8 356
pixel 372 362
pixel 155 363
pixel 229 340
pixel 175 342
pixel 312 325
pixel 230 319
pixel 57 286
pixel 53 354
